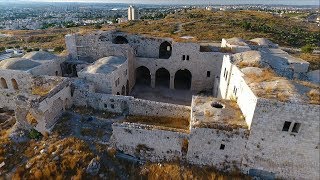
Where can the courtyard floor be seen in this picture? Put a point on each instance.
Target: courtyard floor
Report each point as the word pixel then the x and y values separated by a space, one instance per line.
pixel 162 94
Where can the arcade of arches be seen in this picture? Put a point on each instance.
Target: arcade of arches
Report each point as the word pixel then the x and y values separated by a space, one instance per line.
pixel 182 78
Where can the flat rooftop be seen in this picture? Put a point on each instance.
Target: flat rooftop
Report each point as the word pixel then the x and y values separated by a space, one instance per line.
pixel 279 53
pixel 210 112
pixel 264 83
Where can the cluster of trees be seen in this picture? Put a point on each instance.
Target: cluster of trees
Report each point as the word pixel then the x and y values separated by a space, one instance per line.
pixel 48 25
pixel 293 36
pixel 154 16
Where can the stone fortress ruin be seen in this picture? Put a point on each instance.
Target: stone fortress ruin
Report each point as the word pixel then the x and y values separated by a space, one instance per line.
pixel 244 105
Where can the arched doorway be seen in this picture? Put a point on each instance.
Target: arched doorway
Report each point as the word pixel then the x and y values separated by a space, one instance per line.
pixel 4 83
pixel 14 84
pixel 165 50
pixel 123 90
pixel 127 88
pixel 182 79
pixel 120 40
pixel 143 76
pixel 162 78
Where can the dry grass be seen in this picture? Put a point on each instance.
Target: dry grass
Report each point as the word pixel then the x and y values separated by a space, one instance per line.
pixel 313 59
pixel 283 97
pixel 314 96
pixel 179 123
pixel 267 75
pixel 243 64
pixel 177 171
pixel 31 119
pixel 72 153
pixel 42 86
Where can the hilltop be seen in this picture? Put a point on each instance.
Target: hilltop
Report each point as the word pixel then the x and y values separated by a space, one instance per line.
pixel 212 26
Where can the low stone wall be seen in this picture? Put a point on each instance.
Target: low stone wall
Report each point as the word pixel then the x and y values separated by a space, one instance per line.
pixel 153 108
pixel 130 105
pixel 146 142
pixel 222 149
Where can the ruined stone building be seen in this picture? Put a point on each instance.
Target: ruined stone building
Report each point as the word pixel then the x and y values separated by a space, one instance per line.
pixel 247 105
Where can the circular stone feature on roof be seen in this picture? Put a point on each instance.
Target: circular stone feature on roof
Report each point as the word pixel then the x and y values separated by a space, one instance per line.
pixel 217 105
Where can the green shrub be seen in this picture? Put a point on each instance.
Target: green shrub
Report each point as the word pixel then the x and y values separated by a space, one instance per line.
pixel 34 134
pixel 58 49
pixel 307 49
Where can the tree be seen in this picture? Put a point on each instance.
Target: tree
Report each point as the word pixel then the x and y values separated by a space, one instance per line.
pixel 58 49
pixel 97 26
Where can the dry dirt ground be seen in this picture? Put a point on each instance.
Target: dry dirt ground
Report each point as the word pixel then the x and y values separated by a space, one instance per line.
pixel 78 148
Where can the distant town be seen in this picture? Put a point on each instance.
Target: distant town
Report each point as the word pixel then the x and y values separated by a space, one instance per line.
pixel 15 16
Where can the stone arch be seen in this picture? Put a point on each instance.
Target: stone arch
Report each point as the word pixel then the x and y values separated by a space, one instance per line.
pixel 127 88
pixel 162 78
pixel 123 90
pixel 120 40
pixel 14 84
pixel 143 76
pixel 165 50
pixel 118 93
pixel 182 79
pixel 4 83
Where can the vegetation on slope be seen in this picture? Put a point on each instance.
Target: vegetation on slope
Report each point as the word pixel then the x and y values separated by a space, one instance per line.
pixel 212 26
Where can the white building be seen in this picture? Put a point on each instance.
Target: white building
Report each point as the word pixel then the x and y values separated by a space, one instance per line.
pixel 133 13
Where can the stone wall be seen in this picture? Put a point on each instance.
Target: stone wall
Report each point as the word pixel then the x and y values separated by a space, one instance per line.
pixel 238 90
pixel 8 89
pixel 226 71
pixel 219 148
pixel 41 113
pixel 200 64
pixel 147 142
pixel 49 68
pixel 129 105
pixel 286 153
pixel 143 46
pixel 203 66
pixel 106 83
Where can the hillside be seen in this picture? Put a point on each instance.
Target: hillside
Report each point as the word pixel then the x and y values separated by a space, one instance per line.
pixel 203 26
pixel 212 26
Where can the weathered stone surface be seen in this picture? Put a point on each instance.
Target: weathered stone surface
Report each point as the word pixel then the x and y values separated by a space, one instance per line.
pixel 93 167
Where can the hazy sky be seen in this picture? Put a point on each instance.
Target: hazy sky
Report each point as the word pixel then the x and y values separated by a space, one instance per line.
pixel 287 2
